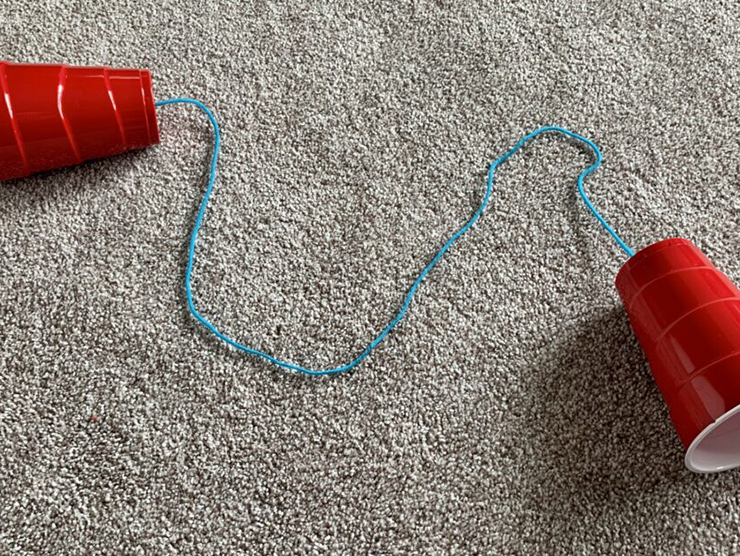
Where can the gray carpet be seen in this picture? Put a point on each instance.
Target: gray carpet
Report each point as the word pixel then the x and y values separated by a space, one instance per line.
pixel 512 412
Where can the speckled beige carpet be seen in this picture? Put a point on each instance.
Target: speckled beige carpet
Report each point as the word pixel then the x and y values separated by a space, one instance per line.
pixel 511 413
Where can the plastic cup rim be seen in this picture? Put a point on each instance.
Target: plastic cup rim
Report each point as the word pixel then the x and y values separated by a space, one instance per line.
pixel 734 412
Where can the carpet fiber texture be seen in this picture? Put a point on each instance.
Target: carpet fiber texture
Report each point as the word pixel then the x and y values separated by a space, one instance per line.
pixel 512 412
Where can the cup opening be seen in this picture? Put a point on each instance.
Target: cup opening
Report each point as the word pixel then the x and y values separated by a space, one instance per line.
pixel 717 448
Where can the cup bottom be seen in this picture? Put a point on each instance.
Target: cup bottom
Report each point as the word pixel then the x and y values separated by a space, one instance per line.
pixel 717 448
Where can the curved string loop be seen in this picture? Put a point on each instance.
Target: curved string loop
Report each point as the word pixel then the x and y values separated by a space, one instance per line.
pixel 415 286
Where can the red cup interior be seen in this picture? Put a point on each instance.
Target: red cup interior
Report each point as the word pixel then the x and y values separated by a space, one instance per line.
pixel 717 448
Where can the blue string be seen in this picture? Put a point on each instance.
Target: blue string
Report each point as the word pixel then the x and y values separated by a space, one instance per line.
pixel 417 282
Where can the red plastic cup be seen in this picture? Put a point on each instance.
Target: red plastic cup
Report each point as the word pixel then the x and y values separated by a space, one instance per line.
pixel 54 115
pixel 686 315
